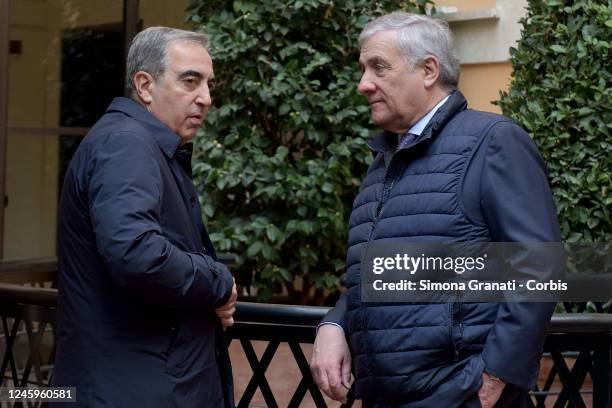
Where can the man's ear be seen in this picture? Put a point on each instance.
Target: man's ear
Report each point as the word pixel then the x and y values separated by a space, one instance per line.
pixel 431 67
pixel 144 84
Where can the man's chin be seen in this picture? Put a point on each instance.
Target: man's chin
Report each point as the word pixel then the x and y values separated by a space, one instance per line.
pixel 378 119
pixel 188 136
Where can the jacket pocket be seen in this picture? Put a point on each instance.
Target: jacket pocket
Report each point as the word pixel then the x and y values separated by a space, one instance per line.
pixel 176 352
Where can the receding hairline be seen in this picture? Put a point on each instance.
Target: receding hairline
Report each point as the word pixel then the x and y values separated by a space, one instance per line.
pixel 188 71
pixel 173 41
pixel 362 45
pixel 204 43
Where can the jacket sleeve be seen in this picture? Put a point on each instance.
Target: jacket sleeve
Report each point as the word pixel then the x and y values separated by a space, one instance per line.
pixel 125 191
pixel 518 206
pixel 337 315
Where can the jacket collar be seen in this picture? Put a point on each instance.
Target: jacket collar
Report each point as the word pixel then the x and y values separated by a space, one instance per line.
pixel 387 141
pixel 167 140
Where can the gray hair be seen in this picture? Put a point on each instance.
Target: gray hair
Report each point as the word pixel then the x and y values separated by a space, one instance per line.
pixel 418 37
pixel 148 51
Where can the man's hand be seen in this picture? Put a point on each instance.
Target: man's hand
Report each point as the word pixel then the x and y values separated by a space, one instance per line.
pixel 490 391
pixel 330 364
pixel 226 312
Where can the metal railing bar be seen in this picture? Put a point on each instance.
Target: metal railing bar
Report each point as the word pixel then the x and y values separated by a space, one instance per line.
pixel 548 393
pixel 35 339
pixel 551 379
pixel 302 334
pixel 298 396
pixel 281 314
pixel 259 367
pixel 248 312
pixel 570 391
pixel 9 359
pixel 302 363
pixel 10 293
pixel 23 332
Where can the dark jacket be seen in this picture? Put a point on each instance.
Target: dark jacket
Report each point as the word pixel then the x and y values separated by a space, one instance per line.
pixel 470 177
pixel 138 279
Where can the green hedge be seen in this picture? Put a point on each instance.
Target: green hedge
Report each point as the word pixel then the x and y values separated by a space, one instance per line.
pixel 283 150
pixel 561 93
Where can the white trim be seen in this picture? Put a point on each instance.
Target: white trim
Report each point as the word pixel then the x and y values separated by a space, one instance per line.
pixel 471 15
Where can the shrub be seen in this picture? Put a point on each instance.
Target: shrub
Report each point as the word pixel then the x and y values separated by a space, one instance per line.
pixel 561 94
pixel 283 151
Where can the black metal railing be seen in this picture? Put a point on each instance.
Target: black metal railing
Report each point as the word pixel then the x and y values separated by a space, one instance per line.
pixel 277 324
pixel 28 322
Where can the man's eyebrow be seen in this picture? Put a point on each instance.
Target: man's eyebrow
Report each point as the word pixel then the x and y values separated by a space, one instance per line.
pixel 191 74
pixel 375 59
pixel 378 60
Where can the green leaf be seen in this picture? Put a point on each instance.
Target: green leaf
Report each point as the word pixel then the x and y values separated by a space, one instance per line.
pixel 285 274
pixel 558 48
pixel 327 187
pixel 268 252
pixel 284 109
pixel 254 248
pixel 272 233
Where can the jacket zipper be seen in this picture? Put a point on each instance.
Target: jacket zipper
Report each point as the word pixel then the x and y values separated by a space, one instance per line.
pixel 388 183
pixel 391 175
pixel 451 316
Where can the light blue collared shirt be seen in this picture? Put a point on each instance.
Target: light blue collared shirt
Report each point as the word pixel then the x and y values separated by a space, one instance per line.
pixel 418 127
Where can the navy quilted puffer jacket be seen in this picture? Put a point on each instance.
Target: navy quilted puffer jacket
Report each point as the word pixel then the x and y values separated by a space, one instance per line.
pixel 470 176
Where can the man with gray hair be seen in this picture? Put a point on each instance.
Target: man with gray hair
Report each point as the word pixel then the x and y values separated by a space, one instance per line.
pixel 442 173
pixel 142 298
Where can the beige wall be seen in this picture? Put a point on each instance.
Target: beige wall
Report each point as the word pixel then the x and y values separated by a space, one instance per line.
pixel 481 83
pixel 32 160
pixel 34 101
pixel 163 13
pixel 34 78
pixel 484 32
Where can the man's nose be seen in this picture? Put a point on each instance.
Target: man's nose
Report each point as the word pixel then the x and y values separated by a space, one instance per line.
pixel 366 85
pixel 204 97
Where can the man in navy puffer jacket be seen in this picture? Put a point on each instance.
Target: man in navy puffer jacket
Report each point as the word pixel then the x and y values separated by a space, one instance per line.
pixel 442 173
